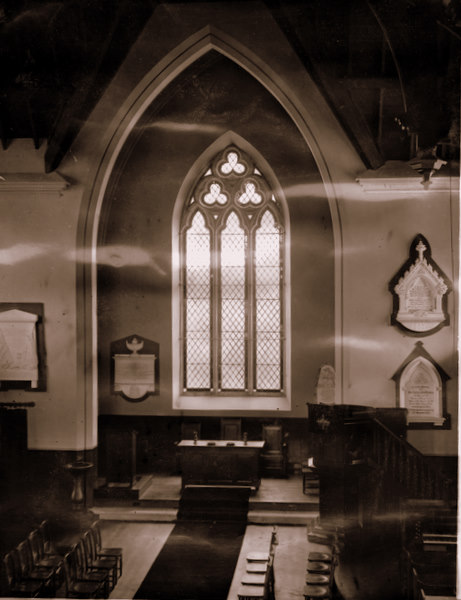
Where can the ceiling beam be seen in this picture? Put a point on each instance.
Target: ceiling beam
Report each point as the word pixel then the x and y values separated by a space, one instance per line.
pixel 335 93
pixel 127 18
pixel 76 109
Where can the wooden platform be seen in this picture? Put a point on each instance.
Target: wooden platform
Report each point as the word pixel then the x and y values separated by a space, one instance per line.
pixel 123 491
pixel 277 501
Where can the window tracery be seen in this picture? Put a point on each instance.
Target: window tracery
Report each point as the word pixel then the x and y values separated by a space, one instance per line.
pixel 232 254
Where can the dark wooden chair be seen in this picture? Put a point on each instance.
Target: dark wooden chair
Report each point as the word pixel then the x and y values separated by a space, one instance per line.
pixel 44 531
pixel 72 588
pixel 41 557
pixel 274 456
pixel 79 567
pixel 104 551
pixel 29 570
pixel 231 428
pixel 18 587
pixel 94 563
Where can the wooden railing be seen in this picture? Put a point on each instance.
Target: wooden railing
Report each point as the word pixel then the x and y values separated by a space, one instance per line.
pixel 407 466
pixel 367 469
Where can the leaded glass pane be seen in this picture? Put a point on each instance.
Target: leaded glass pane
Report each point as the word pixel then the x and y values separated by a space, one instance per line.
pixel 250 195
pixel 215 195
pixel 233 164
pixel 232 309
pixel 268 305
pixel 197 306
pixel 232 281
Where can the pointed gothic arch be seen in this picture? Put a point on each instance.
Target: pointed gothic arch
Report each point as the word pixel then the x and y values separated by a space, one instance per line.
pixel 112 141
pixel 190 203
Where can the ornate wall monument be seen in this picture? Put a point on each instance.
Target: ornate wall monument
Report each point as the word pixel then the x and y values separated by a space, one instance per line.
pixel 420 292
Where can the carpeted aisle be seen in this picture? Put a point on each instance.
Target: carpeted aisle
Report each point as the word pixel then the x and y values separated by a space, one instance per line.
pixel 198 559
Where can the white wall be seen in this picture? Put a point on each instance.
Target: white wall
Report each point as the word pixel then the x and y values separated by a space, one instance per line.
pixel 37 264
pixel 372 232
pixel 378 229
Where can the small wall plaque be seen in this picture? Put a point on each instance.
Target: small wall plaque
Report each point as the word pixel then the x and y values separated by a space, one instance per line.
pixel 135 373
pixel 419 290
pixel 325 388
pixel 420 387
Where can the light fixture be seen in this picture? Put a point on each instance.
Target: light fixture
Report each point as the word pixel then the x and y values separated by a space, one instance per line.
pixel 426 163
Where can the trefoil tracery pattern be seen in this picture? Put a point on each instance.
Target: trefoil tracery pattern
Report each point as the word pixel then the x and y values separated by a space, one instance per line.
pixel 232 253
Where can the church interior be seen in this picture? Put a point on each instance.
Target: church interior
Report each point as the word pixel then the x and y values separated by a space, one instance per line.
pixel 229 304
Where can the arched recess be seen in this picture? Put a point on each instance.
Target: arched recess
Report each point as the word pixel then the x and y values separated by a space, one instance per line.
pixel 227 139
pixel 116 134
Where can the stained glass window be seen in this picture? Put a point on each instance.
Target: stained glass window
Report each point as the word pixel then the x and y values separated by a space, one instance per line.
pixel 232 284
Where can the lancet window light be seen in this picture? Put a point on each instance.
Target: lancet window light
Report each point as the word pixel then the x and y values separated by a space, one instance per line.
pixel 232 252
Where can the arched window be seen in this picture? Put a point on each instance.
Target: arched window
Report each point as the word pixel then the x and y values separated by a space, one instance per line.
pixel 232 250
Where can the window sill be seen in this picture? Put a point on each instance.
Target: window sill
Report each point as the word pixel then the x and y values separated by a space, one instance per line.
pixel 242 403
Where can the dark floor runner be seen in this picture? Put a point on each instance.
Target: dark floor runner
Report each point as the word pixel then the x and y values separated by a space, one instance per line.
pixel 198 559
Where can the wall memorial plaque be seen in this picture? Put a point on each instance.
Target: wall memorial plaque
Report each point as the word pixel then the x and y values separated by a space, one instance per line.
pixel 421 389
pixel 18 347
pixel 420 384
pixel 419 289
pixel 22 347
pixel 135 373
pixel 326 385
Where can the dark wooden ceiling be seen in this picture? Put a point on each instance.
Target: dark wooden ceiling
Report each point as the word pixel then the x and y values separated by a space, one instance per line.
pixel 389 68
pixel 58 57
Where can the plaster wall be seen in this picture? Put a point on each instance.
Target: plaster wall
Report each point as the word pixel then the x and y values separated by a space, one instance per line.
pixel 378 230
pixel 135 281
pixel 38 265
pixel 372 237
pixel 175 37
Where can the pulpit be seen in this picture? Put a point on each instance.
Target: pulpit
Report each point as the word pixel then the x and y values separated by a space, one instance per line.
pixel 337 442
pixel 340 442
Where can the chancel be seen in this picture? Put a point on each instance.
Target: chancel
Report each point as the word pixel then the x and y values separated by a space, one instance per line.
pixel 229 300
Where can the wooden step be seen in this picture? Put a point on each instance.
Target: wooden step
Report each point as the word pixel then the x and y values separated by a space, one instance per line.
pixel 122 490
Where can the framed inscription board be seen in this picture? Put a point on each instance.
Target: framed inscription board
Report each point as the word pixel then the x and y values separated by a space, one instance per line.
pixel 420 292
pixel 420 388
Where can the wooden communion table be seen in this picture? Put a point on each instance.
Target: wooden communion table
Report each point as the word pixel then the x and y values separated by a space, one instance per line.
pixel 220 462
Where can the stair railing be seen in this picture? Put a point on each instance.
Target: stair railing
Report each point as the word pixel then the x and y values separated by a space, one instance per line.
pixel 409 467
